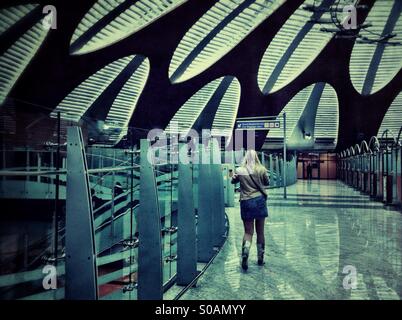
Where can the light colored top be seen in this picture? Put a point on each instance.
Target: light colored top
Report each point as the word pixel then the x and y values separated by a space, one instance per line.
pixel 249 189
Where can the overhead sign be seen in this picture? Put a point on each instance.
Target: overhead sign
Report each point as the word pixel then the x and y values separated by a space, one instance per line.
pixel 257 124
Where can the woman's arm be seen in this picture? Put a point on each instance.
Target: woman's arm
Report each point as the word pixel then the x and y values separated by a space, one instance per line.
pixel 234 176
pixel 235 179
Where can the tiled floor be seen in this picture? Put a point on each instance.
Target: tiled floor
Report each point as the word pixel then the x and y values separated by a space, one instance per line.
pixel 315 240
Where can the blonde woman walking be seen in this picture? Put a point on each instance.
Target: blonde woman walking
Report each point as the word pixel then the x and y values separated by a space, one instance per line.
pixel 253 178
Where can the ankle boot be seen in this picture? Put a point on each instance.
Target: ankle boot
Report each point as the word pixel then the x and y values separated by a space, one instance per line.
pixel 244 254
pixel 260 253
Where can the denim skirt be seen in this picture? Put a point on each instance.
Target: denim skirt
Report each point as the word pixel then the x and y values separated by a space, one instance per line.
pixel 254 208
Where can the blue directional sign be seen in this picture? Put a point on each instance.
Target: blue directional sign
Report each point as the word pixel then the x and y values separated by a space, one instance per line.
pixel 257 124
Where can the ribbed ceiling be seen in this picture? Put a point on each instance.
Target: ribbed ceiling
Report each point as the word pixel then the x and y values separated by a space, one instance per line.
pixel 294 47
pixel 393 118
pixel 224 108
pixel 80 100
pixel 9 16
pixel 292 60
pixel 109 21
pixel 374 65
pixel 17 57
pixel 225 116
pixel 327 117
pixel 217 32
pixel 315 110
pixel 124 105
pixel 293 109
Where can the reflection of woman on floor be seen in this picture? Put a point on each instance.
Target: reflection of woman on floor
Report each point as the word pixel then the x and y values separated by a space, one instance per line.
pixel 253 179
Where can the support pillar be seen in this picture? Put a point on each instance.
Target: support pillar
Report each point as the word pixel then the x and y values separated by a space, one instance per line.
pixel 186 232
pixel 150 276
pixel 81 270
pixel 204 228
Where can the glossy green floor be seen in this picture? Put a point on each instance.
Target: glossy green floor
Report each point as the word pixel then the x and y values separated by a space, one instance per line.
pixel 323 227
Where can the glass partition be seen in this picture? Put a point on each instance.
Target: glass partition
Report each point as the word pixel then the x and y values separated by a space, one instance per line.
pixel 114 183
pixel 166 174
pixel 32 254
pixel 195 173
pixel 32 231
pixel 32 198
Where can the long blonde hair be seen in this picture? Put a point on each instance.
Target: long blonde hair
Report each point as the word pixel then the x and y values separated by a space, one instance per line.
pixel 251 160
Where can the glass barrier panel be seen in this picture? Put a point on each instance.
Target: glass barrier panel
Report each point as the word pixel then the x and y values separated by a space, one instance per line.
pixel 163 175
pixel 32 227
pixel 166 175
pixel 114 183
pixel 173 221
pixel 195 172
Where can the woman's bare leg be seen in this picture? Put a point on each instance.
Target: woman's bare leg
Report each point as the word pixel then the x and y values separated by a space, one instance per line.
pixel 259 228
pixel 248 230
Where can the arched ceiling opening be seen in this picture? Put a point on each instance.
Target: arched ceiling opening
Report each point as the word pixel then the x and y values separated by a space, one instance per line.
pixel 392 120
pixel 312 120
pixel 213 107
pixel 11 15
pixel 294 47
pixel 374 64
pixel 109 21
pixel 39 73
pixel 216 33
pixel 122 81
pixel 15 59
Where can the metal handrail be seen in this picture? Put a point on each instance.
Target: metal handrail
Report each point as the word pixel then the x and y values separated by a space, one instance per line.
pixel 11 173
pixel 106 157
pixel 28 168
pixel 105 205
pixel 108 222
pixel 103 156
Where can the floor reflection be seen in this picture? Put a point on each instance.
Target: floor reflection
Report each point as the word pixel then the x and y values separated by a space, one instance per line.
pixel 316 240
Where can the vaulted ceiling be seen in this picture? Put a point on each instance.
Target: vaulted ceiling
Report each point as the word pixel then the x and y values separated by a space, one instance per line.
pixel 146 63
